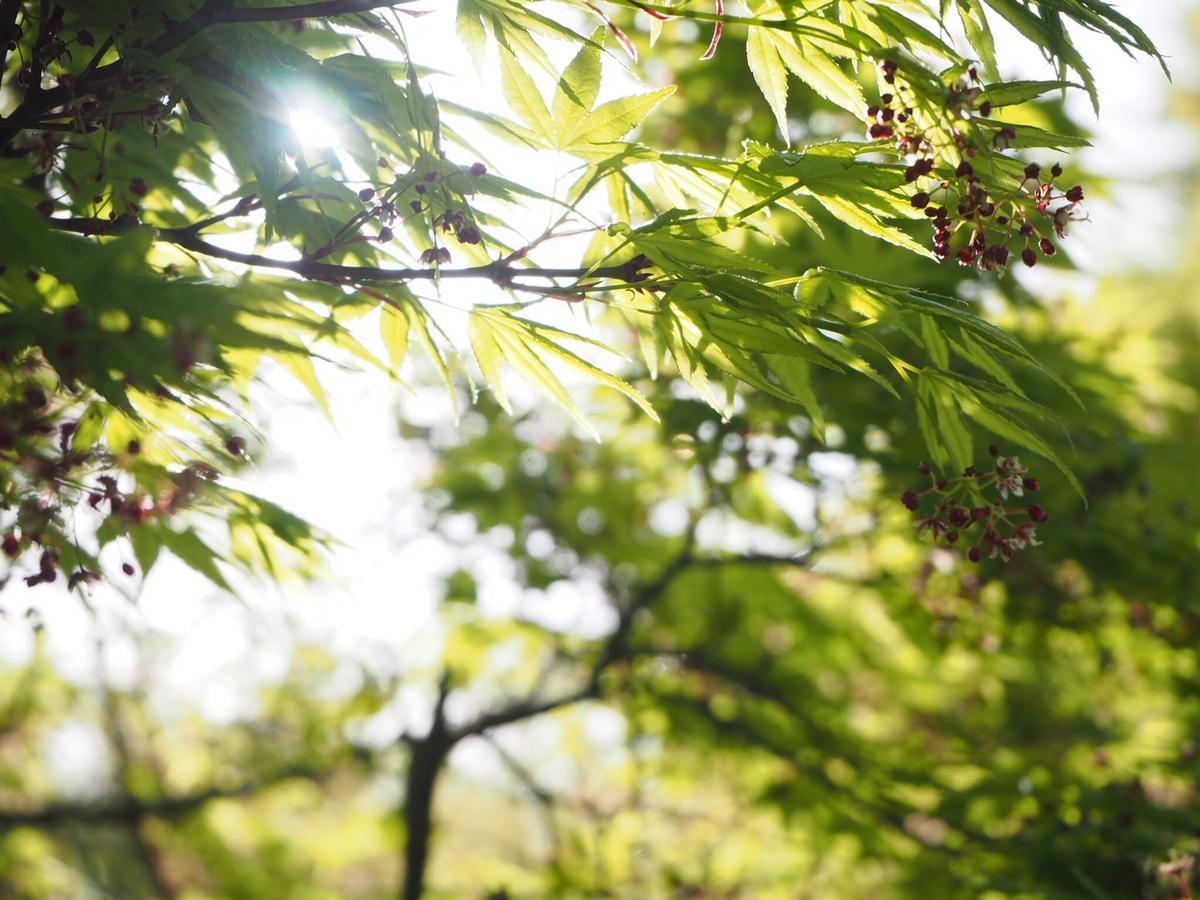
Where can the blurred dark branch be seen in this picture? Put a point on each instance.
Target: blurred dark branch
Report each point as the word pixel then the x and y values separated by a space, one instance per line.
pixel 751 734
pixel 118 737
pixel 520 711
pixel 429 753
pixel 754 680
pixel 545 799
pixel 424 766
pixel 869 805
pixel 22 701
pixel 131 809
pixel 800 560
pixel 616 647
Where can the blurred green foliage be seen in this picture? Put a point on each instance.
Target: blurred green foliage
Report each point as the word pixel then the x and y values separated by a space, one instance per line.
pixel 734 669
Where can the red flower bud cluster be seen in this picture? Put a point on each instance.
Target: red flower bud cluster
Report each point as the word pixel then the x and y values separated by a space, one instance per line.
pixel 57 480
pixel 980 225
pixel 964 509
pixel 456 221
pixel 433 190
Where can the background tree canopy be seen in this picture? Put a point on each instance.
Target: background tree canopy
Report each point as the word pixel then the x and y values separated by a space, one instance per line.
pixel 758 529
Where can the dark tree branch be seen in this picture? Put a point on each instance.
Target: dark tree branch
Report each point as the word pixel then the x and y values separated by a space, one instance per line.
pixel 501 274
pixel 424 766
pixel 887 812
pixel 9 10
pixel 429 754
pixel 118 738
pixel 615 649
pixel 207 15
pixel 223 12
pixel 98 55
pixel 308 10
pixel 60 127
pixel 517 712
pixel 427 758
pixel 215 12
pixel 800 560
pixel 118 735
pixel 130 809
pixel 752 681
pixel 617 646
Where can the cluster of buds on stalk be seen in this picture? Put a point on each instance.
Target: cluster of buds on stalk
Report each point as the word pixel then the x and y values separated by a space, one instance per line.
pixel 57 483
pixel 965 508
pixel 982 225
pixel 422 194
pixel 456 221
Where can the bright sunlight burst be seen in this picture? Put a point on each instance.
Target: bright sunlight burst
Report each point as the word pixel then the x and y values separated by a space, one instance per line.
pixel 312 128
